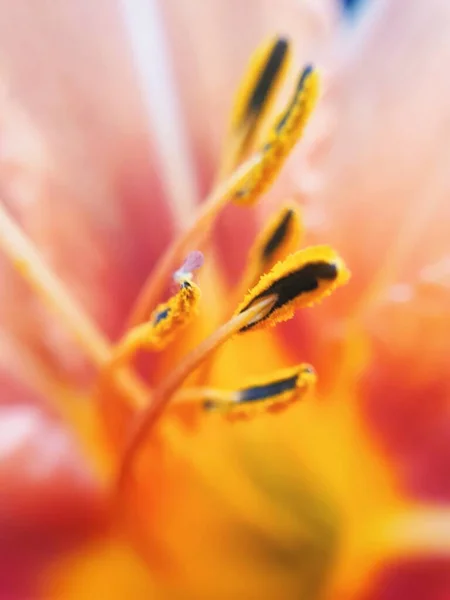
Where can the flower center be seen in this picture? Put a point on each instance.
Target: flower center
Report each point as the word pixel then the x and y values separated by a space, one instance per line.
pixel 280 279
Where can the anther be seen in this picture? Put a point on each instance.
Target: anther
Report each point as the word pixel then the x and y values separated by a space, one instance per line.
pixel 301 280
pixel 254 98
pixel 263 394
pixel 287 130
pixel 167 320
pixel 194 359
pixel 243 185
pixel 278 239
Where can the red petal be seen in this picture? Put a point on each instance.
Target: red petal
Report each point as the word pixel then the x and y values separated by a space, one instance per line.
pixel 420 579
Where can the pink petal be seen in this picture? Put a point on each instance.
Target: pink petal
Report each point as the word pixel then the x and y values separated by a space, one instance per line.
pixel 382 188
pixel 77 165
pixel 49 501
pixel 383 178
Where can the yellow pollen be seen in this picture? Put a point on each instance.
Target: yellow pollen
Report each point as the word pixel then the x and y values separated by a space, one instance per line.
pixel 147 418
pixel 279 238
pixel 286 132
pixel 253 100
pixel 258 395
pixel 301 280
pixel 167 320
pixel 243 186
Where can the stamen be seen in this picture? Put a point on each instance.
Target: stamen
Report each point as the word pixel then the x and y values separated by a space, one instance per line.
pixel 260 82
pixel 277 240
pixel 301 280
pixel 264 394
pixel 27 261
pixel 193 237
pixel 166 322
pixel 254 98
pixel 278 236
pixel 162 395
pixel 206 396
pixel 280 141
pixel 245 185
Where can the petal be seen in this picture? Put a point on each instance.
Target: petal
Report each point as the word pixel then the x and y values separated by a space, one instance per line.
pixel 383 173
pixel 381 197
pixel 77 165
pixel 104 568
pixel 223 524
pixel 50 500
pixel 413 580
pixel 405 392
pixel 265 501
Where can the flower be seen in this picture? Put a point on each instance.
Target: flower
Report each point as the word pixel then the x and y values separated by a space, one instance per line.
pixel 235 475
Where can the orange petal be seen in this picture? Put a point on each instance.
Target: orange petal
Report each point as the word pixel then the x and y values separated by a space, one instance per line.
pixel 105 568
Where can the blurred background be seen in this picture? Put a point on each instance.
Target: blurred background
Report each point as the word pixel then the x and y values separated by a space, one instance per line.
pixel 115 126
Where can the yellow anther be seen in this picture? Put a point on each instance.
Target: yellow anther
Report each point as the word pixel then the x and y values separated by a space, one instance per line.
pixel 301 280
pixel 167 320
pixel 263 394
pixel 286 132
pixel 264 74
pixel 254 98
pixel 175 314
pixel 278 239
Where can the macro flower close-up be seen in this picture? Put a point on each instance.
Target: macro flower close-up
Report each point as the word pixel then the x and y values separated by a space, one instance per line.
pixel 225 300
